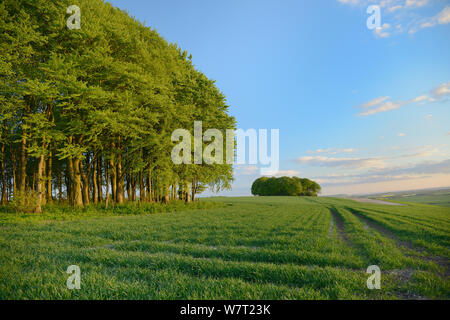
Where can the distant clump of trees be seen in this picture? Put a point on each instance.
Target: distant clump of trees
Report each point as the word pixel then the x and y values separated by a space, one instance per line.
pixel 86 115
pixel 285 186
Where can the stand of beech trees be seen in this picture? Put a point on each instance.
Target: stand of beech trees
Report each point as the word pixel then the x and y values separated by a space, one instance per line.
pixel 285 186
pixel 86 115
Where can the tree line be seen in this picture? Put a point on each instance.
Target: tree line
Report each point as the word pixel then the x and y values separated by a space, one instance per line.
pixel 285 186
pixel 86 115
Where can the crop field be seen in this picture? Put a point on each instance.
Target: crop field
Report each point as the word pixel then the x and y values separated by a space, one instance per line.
pixel 439 197
pixel 249 248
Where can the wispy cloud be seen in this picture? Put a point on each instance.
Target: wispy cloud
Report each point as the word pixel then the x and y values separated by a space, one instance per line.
pixel 415 171
pixel 246 170
pixel 282 173
pixel 324 161
pixel 442 90
pixel 332 151
pixel 442 17
pixel 384 31
pixel 401 16
pixel 382 104
pixel 374 163
pixel 374 102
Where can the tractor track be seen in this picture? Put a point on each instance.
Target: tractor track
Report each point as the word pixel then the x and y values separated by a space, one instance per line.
pixel 441 261
pixel 341 234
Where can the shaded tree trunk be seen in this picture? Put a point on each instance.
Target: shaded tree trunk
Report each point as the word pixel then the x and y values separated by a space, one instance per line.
pixel 120 180
pixel 75 177
pixel 40 184
pixel 49 178
pixel 94 182
pixel 85 185
pixel 23 165
pixel 3 173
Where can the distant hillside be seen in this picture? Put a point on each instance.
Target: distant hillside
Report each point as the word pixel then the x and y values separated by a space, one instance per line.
pixel 440 197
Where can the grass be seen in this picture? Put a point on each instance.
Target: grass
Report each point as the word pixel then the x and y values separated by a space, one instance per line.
pixel 440 197
pixel 229 248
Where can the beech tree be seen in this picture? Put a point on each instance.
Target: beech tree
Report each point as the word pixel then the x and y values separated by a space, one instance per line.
pixel 86 115
pixel 285 186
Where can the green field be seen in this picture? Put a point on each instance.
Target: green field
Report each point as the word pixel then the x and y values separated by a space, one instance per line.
pixel 440 197
pixel 250 248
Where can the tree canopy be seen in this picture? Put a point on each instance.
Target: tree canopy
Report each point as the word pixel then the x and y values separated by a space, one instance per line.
pixel 285 186
pixel 86 115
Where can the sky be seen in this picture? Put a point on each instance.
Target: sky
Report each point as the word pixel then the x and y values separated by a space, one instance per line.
pixel 358 110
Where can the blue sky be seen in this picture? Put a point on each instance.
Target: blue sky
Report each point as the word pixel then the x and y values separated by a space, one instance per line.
pixel 358 110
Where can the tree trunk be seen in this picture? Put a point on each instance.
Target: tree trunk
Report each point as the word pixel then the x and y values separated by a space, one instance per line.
pixel 133 188
pixel 149 186
pixel 94 182
pixel 166 198
pixel 85 187
pixel 13 160
pixel 49 178
pixel 40 184
pixel 44 193
pixel 187 194
pixel 141 187
pixel 77 200
pixel 194 189
pixel 23 165
pixel 60 192
pixel 3 173
pixel 112 168
pixel 107 184
pixel 99 179
pixel 120 182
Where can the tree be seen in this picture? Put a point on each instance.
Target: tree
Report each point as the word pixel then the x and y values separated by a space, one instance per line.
pixel 91 110
pixel 285 186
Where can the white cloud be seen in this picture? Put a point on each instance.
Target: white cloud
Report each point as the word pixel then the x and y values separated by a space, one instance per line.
pixel 382 32
pixel 381 104
pixel 419 98
pixel 247 170
pixel 351 2
pixel 415 3
pixel 407 172
pixel 442 90
pixel 282 173
pixel 405 15
pixel 332 150
pixel 323 161
pixel 394 8
pixel 442 17
pixel 401 134
pixel 429 116
pixel 374 102
pixel 387 106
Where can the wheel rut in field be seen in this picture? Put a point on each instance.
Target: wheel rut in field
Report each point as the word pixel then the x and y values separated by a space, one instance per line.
pixel 330 230
pixel 339 227
pixel 443 262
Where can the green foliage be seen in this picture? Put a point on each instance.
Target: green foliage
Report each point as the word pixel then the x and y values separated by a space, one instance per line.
pixel 16 211
pixel 23 202
pixel 113 90
pixel 284 186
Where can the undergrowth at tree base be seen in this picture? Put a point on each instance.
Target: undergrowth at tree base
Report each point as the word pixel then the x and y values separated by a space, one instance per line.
pixel 64 212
